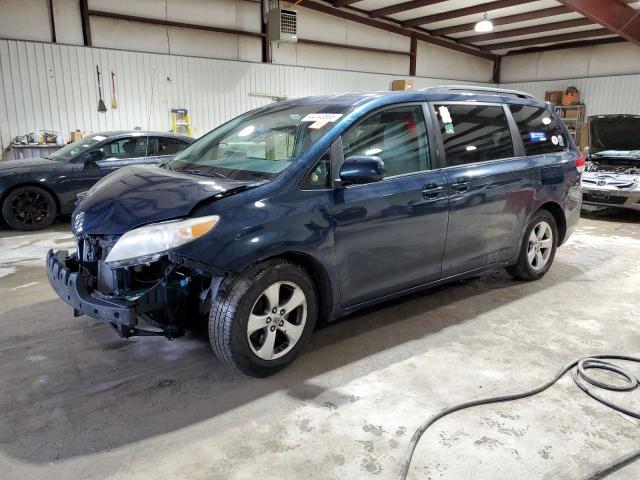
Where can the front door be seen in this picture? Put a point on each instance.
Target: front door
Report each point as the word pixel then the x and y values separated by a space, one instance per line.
pixel 490 184
pixel 390 235
pixel 115 154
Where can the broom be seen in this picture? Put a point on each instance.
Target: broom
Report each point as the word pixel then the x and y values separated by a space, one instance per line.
pixel 114 101
pixel 101 106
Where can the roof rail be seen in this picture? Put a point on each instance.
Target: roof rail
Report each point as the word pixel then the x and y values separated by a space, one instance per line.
pixel 479 89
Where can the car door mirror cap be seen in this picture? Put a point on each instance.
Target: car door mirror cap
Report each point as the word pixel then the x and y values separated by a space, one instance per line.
pixel 361 169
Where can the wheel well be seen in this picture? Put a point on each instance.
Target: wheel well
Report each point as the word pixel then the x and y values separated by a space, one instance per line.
pixel 36 185
pixel 318 276
pixel 558 214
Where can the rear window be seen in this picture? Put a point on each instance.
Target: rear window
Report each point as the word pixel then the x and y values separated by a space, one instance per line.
pixel 541 133
pixel 474 133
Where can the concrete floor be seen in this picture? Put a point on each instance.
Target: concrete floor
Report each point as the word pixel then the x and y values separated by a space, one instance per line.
pixel 77 402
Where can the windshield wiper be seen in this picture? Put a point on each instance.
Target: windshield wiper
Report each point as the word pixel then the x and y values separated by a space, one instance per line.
pixel 204 173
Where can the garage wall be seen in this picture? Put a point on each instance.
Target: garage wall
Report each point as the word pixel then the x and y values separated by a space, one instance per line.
pixel 53 86
pixel 244 15
pixel 608 76
pixel 595 61
pixel 601 95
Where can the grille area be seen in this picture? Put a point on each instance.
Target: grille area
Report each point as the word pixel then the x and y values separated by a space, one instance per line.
pixel 611 200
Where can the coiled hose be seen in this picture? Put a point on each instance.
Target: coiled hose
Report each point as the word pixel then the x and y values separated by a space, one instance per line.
pixel 582 380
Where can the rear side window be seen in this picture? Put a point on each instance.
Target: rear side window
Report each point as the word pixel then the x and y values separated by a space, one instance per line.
pixel 541 133
pixel 170 146
pixel 397 135
pixel 474 133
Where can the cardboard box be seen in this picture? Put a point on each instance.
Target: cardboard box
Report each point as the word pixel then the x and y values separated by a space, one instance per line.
pixel 75 136
pixel 554 97
pixel 397 85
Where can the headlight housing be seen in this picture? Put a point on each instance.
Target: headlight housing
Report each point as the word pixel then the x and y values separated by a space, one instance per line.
pixel 148 243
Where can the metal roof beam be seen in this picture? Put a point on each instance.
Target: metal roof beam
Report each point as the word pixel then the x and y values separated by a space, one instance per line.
pixel 506 20
pixel 515 32
pixel 462 12
pixel 548 39
pixel 402 7
pixel 615 15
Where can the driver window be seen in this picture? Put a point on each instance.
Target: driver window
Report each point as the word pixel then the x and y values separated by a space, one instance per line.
pixel 397 135
pixel 132 147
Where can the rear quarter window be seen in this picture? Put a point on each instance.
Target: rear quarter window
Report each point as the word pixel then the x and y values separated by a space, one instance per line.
pixel 540 131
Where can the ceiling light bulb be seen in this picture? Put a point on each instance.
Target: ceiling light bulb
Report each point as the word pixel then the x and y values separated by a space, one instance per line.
pixel 484 25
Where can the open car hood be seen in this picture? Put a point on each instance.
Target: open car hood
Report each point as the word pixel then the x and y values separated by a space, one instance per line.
pixel 139 195
pixel 614 132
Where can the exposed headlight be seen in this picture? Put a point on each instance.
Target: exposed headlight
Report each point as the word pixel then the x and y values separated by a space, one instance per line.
pixel 147 244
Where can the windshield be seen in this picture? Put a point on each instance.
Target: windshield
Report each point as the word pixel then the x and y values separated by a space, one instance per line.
pixel 71 150
pixel 261 144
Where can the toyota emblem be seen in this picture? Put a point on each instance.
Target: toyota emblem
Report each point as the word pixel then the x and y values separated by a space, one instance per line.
pixel 78 223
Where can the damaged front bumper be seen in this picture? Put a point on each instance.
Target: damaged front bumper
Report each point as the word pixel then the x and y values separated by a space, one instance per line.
pixel 67 279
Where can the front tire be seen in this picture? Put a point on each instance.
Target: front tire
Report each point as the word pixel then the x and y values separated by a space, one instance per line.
pixel 538 248
pixel 29 208
pixel 261 321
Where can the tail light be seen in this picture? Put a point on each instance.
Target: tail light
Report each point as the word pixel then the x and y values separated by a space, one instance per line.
pixel 580 163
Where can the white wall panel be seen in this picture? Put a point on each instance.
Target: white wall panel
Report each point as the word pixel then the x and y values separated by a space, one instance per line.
pixel 599 60
pixel 451 64
pixel 25 19
pixel 601 95
pixel 68 23
pixel 53 86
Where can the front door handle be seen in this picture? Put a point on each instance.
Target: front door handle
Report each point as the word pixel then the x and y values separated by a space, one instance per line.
pixel 432 190
pixel 462 184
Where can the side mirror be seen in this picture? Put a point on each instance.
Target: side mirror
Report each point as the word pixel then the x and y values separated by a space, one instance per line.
pixel 361 169
pixel 92 157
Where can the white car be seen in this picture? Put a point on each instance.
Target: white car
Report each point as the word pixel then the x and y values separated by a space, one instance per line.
pixel 612 174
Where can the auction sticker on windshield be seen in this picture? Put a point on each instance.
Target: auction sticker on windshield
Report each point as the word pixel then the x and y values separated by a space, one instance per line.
pixel 322 117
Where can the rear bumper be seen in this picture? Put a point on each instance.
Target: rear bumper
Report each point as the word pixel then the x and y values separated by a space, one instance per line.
pixel 611 198
pixel 68 282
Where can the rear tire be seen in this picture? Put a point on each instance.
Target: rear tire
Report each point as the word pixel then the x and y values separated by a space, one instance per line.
pixel 244 330
pixel 29 208
pixel 538 248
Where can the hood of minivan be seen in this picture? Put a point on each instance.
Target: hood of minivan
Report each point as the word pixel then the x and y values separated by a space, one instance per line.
pixel 614 132
pixel 138 195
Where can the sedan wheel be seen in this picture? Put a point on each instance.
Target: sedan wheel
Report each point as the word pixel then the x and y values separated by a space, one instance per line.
pixel 277 320
pixel 29 208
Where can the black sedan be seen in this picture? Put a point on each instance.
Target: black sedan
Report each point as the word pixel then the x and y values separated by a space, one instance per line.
pixel 34 191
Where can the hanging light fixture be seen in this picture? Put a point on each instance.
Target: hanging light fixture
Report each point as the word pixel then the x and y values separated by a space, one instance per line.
pixel 484 25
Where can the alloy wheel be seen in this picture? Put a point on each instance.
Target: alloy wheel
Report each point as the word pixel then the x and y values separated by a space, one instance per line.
pixel 277 320
pixel 30 208
pixel 540 245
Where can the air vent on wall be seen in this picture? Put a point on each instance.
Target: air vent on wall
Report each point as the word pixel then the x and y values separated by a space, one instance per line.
pixel 283 25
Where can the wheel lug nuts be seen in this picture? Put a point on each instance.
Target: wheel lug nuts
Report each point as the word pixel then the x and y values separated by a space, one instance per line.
pixel 268 319
pixel 272 328
pixel 281 323
pixel 274 310
pixel 282 312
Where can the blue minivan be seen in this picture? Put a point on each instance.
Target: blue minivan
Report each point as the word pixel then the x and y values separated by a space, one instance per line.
pixel 313 208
